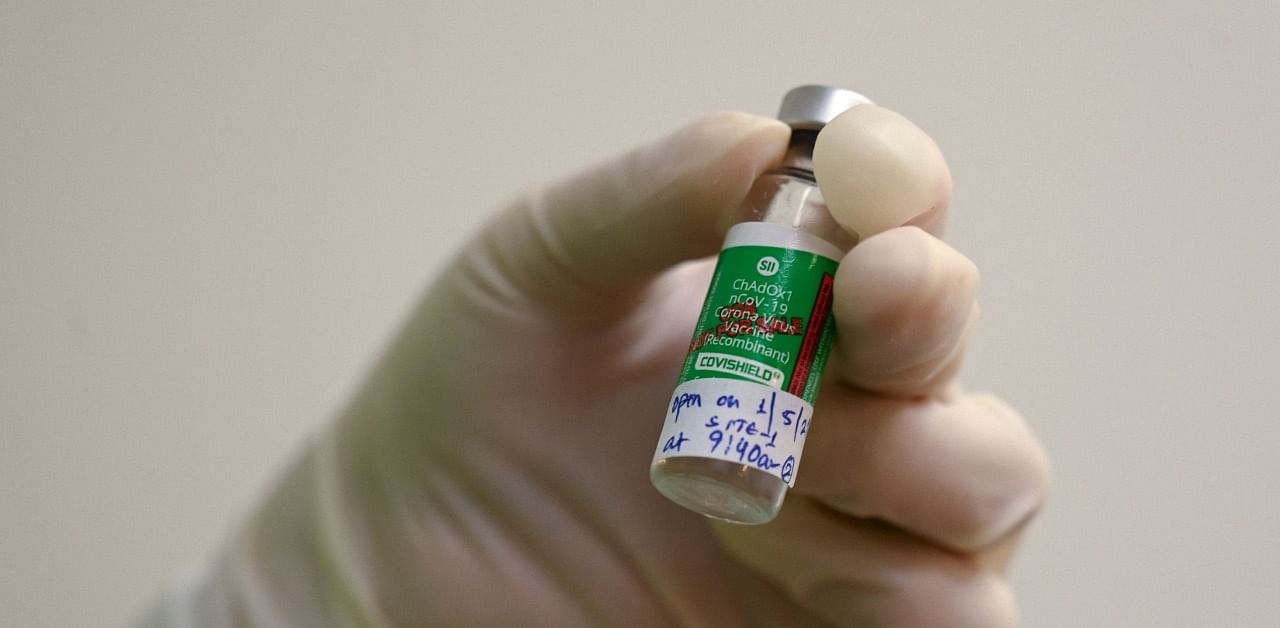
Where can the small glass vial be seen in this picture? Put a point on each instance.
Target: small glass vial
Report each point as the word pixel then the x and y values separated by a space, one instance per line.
pixel 740 413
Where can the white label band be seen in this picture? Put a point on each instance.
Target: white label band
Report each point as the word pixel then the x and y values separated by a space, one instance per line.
pixel 737 421
pixel 783 236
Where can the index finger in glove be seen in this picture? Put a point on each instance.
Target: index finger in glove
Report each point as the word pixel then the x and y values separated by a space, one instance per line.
pixel 963 473
pixel 904 306
pixel 602 233
pixel 854 572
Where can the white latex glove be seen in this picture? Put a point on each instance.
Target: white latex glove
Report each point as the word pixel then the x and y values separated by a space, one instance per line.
pixel 493 471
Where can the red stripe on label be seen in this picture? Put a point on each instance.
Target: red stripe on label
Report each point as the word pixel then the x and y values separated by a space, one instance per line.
pixel 812 337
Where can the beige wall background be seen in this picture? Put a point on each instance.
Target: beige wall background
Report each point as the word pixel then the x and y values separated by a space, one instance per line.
pixel 212 216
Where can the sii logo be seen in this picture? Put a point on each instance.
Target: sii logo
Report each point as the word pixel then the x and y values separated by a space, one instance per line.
pixel 768 266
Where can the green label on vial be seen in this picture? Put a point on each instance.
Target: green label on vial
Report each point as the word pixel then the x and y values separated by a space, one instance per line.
pixel 767 319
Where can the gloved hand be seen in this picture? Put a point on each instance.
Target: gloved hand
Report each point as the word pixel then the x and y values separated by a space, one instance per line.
pixel 492 471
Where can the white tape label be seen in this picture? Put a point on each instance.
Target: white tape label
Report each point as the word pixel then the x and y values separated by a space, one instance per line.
pixel 737 421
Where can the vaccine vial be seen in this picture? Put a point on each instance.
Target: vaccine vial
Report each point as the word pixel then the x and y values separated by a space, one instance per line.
pixel 736 424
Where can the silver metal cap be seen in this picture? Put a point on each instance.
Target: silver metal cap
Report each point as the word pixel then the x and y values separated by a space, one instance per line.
pixel 813 106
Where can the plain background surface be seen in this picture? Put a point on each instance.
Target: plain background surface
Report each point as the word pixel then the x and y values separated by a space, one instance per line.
pixel 212 217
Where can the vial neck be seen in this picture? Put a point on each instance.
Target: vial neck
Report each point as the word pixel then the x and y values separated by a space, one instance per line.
pixel 789 195
pixel 798 160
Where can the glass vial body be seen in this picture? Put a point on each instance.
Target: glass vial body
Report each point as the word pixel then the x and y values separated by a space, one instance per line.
pixel 737 421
